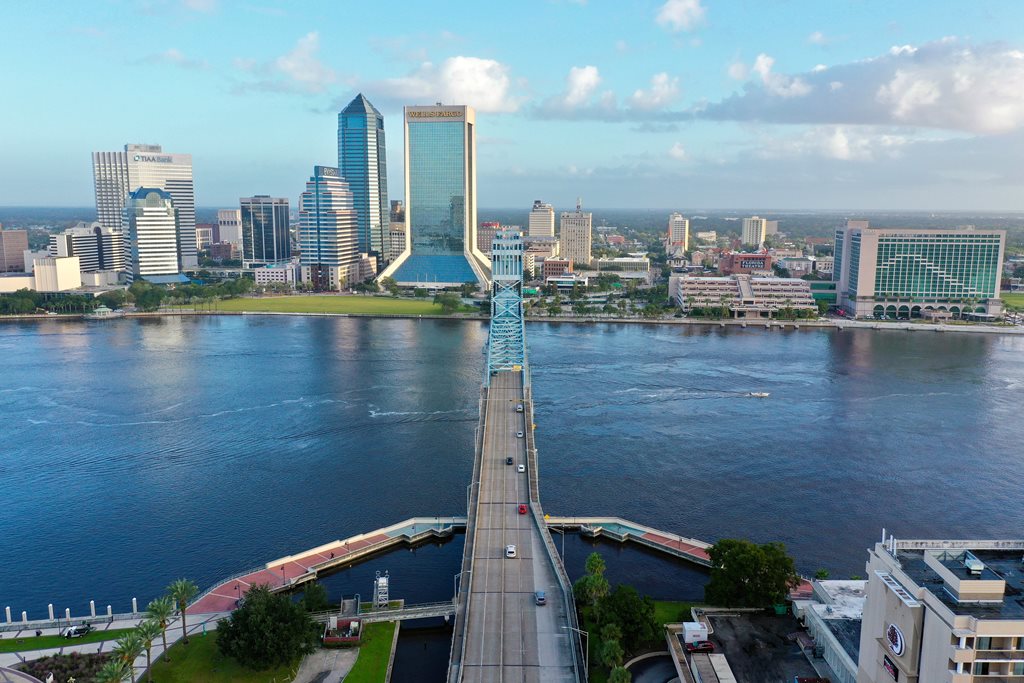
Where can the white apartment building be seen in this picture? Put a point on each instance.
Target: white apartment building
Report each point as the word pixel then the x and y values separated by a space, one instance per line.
pixel 229 224
pixel 542 220
pixel 575 235
pixel 150 224
pixel 755 229
pixel 97 247
pixel 679 230
pixel 116 174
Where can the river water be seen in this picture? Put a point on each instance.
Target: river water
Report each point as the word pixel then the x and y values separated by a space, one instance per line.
pixel 133 452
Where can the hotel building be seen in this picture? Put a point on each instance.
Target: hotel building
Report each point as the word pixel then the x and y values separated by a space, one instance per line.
pixel 542 220
pixel 327 231
pixel 679 231
pixel 440 201
pixel 754 231
pixel 906 272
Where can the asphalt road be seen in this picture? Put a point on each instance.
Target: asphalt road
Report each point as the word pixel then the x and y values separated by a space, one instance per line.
pixel 508 637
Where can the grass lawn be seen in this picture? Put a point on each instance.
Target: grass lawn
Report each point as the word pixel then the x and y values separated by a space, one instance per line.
pixel 368 305
pixel 201 661
pixel 672 611
pixel 42 642
pixel 374 653
pixel 1015 299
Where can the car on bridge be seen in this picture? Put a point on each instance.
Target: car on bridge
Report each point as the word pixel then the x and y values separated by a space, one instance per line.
pixel 519 407
pixel 508 460
pixel 510 551
pixel 540 598
pixel 519 435
pixel 521 469
pixel 522 508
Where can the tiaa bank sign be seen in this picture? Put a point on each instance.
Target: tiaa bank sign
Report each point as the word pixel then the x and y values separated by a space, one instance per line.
pixel 894 636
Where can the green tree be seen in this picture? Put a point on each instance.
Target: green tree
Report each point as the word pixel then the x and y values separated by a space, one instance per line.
pixel 128 648
pixel 113 671
pixel 744 574
pixel 611 652
pixel 468 288
pixel 821 574
pixel 592 586
pixel 419 292
pixel 620 675
pixel 390 285
pixel 147 297
pixel 182 591
pixel 448 301
pixel 115 298
pixel 595 564
pixel 268 630
pixel 148 631
pixel 634 615
pixel 160 611
pixel 314 598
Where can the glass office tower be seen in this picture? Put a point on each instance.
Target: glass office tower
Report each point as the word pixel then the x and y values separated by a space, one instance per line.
pixel 440 200
pixel 363 163
pixel 265 236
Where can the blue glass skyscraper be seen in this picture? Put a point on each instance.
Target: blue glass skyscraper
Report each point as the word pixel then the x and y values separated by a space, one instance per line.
pixel 362 162
pixel 440 200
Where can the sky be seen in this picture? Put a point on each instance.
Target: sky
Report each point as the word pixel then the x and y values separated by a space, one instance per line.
pixel 777 104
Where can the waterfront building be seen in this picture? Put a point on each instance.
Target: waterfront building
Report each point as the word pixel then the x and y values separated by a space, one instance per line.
pixel 440 201
pixel 151 230
pixel 542 220
pixel 277 273
pixel 904 272
pixel 575 234
pixel 229 226
pixel 754 231
pixel 97 247
pixel 745 296
pixel 265 236
pixel 485 235
pixel 29 257
pixel 679 230
pixel 567 282
pixel 57 273
pixel 943 610
pixel 328 241
pixel 736 263
pixel 362 160
pixel 116 174
pixel 13 244
pixel 833 615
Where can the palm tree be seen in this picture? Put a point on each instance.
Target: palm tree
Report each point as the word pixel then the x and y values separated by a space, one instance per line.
pixel 128 648
pixel 148 631
pixel 182 591
pixel 113 671
pixel 160 612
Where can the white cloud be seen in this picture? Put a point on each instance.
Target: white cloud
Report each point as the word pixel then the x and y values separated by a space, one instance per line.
pixel 580 84
pixel 817 38
pixel 677 152
pixel 840 143
pixel 175 57
pixel 738 71
pixel 481 83
pixel 299 70
pixel 776 83
pixel 664 90
pixel 681 15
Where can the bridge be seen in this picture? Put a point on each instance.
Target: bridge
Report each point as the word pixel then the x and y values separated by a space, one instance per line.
pixel 500 633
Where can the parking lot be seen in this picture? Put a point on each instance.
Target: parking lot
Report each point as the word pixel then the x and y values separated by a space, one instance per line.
pixel 758 648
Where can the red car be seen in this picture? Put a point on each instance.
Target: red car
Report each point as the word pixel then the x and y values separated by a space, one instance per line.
pixel 522 509
pixel 700 646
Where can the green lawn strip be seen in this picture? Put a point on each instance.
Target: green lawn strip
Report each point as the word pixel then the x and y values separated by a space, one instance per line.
pixel 200 660
pixel 367 305
pixel 1015 299
pixel 672 611
pixel 374 653
pixel 24 643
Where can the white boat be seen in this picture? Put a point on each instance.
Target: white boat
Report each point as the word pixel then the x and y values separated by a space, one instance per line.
pixel 759 394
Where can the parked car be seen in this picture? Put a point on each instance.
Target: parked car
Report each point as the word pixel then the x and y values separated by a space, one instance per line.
pixel 508 460
pixel 510 551
pixel 700 646
pixel 522 508
pixel 540 598
pixel 521 469
pixel 76 631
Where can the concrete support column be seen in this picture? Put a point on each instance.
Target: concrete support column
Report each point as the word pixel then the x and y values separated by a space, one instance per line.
pixel 135 606
pixel 67 613
pixel 7 612
pixel 110 611
pixel 92 608
pixel 24 617
pixel 50 609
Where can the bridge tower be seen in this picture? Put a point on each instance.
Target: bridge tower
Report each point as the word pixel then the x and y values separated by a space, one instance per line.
pixel 506 344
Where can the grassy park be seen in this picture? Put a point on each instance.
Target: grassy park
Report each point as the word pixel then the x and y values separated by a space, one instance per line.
pixel 365 305
pixel 374 654
pixel 200 660
pixel 1014 299
pixel 23 643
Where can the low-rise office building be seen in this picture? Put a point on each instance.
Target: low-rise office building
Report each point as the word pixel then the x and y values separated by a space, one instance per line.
pixel 567 282
pixel 12 245
pixel 57 274
pixel 737 263
pixel 555 267
pixel 97 247
pixel 277 273
pixel 833 617
pixel 745 296
pixel 943 611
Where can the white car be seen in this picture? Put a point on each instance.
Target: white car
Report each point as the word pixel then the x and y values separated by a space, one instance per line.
pixel 510 551
pixel 521 469
pixel 519 435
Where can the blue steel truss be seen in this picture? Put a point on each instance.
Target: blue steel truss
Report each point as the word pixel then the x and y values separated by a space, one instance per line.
pixel 506 342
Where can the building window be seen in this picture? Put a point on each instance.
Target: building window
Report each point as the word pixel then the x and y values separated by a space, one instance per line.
pixel 980 668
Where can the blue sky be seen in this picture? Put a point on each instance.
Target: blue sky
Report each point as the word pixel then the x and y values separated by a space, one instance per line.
pixel 678 103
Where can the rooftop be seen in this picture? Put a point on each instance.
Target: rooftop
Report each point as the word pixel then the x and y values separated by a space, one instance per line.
pixel 847 632
pixel 1007 565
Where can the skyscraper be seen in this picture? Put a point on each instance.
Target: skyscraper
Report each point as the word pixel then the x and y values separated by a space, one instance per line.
pixel 363 164
pixel 440 200
pixel 679 230
pixel 264 230
pixel 754 231
pixel 116 174
pixel 150 225
pixel 542 220
pixel 575 235
pixel 327 231
pixel 97 247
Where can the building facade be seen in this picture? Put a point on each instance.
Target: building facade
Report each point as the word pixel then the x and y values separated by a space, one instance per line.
pixel 280 273
pixel 13 245
pixel 734 263
pixel 97 247
pixel 744 296
pixel 575 235
pixel 229 226
pixel 905 272
pixel 328 241
pixel 485 234
pixel 204 235
pixel 943 610
pixel 117 174
pixel 542 220
pixel 57 274
pixel 679 230
pixel 755 229
pixel 362 160
pixel 150 226
pixel 555 267
pixel 440 201
pixel 265 236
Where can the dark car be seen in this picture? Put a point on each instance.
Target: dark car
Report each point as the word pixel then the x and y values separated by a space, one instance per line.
pixel 508 460
pixel 76 631
pixel 700 646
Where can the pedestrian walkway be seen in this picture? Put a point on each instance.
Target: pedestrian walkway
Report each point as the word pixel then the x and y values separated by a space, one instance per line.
pixel 622 530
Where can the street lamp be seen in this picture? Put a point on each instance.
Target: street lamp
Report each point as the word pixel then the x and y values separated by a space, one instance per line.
pixel 469 490
pixel 455 581
pixel 586 657
pixel 284 575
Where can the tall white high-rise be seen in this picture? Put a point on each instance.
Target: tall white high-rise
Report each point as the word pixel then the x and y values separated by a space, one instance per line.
pixel 575 235
pixel 150 224
pixel 754 230
pixel 328 228
pixel 97 247
pixel 229 225
pixel 679 230
pixel 542 220
pixel 116 174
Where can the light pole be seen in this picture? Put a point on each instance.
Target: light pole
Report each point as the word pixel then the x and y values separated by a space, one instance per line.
pixel 284 575
pixel 586 657
pixel 455 581
pixel 469 490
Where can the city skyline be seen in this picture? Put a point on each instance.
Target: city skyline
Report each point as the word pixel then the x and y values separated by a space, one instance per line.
pixel 692 102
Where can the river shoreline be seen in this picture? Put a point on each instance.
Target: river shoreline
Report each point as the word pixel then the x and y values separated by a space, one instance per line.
pixel 588 320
